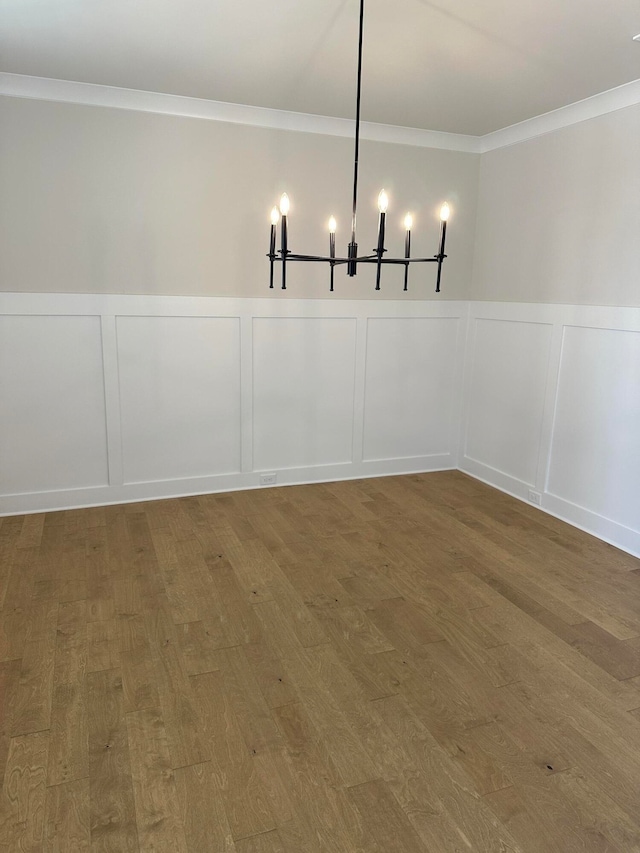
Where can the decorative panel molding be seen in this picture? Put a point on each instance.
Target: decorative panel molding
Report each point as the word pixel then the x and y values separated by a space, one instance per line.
pixel 179 396
pixel 595 453
pixel 410 387
pixel 508 364
pixel 52 410
pixel 303 392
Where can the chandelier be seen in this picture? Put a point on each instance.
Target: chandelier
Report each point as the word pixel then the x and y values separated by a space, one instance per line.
pixel 279 214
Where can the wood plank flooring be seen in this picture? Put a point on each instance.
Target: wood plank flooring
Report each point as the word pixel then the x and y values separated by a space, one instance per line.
pixel 393 665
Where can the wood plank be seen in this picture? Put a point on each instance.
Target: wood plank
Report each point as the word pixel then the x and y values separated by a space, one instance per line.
pixel 270 675
pixel 32 709
pixel 180 716
pixel 67 818
pixel 386 827
pixel 139 679
pixel 9 681
pixel 476 825
pixel 71 643
pixel 201 808
pixel 326 819
pixel 112 811
pixel 157 814
pixel 100 606
pixel 16 616
pixel 9 536
pixel 403 626
pixel 23 799
pixel 69 743
pixel 103 649
pixel 251 711
pixel 237 619
pixel 246 801
pixel 199 647
pixel 348 754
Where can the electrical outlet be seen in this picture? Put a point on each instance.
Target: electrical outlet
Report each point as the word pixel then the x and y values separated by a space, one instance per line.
pixel 535 497
pixel 268 479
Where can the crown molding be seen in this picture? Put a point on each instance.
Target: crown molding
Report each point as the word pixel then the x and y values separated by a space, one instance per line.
pixel 627 95
pixel 93 94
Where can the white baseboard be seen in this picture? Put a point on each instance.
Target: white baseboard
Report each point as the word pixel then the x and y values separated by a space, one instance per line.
pixel 53 501
pixel 608 531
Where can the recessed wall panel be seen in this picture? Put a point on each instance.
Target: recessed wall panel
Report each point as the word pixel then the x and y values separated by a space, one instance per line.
pixel 52 407
pixel 303 394
pixel 595 454
pixel 179 396
pixel 409 387
pixel 506 396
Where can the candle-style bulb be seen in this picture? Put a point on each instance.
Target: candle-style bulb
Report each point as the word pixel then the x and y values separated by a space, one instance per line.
pixel 332 225
pixel 275 215
pixel 408 222
pixel 383 202
pixel 445 210
pixel 284 204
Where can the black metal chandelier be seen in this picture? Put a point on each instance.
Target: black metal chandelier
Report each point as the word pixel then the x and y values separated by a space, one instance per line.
pixel 283 255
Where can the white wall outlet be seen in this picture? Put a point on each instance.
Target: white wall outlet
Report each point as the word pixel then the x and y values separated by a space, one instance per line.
pixel 268 479
pixel 535 497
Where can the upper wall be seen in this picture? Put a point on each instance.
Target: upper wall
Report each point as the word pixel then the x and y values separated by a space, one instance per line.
pixel 559 216
pixel 99 200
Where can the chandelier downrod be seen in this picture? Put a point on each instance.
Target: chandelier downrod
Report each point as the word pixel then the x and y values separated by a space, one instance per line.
pixel 283 255
pixel 353 247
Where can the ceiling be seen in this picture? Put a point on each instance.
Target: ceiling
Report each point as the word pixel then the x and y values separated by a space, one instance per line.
pixel 460 66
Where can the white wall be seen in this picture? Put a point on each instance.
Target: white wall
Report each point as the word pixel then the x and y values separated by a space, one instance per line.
pixel 98 200
pixel 559 216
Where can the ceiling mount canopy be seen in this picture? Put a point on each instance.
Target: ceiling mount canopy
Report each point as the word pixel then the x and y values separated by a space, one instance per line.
pixel 280 214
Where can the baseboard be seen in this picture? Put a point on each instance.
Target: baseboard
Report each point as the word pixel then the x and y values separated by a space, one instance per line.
pixel 65 499
pixel 605 529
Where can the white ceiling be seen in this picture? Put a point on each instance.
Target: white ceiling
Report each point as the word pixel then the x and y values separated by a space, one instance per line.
pixel 460 66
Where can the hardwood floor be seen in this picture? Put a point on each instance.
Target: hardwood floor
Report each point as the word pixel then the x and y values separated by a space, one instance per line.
pixel 402 664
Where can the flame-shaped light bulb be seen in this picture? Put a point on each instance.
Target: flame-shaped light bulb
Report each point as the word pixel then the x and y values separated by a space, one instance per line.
pixel 284 204
pixel 445 210
pixel 275 215
pixel 383 202
pixel 408 222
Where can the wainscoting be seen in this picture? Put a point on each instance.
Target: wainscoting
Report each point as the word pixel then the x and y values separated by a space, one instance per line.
pixel 119 398
pixel 552 406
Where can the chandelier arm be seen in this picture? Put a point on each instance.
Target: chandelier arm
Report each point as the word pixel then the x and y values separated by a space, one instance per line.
pixel 401 261
pixel 365 259
pixel 318 259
